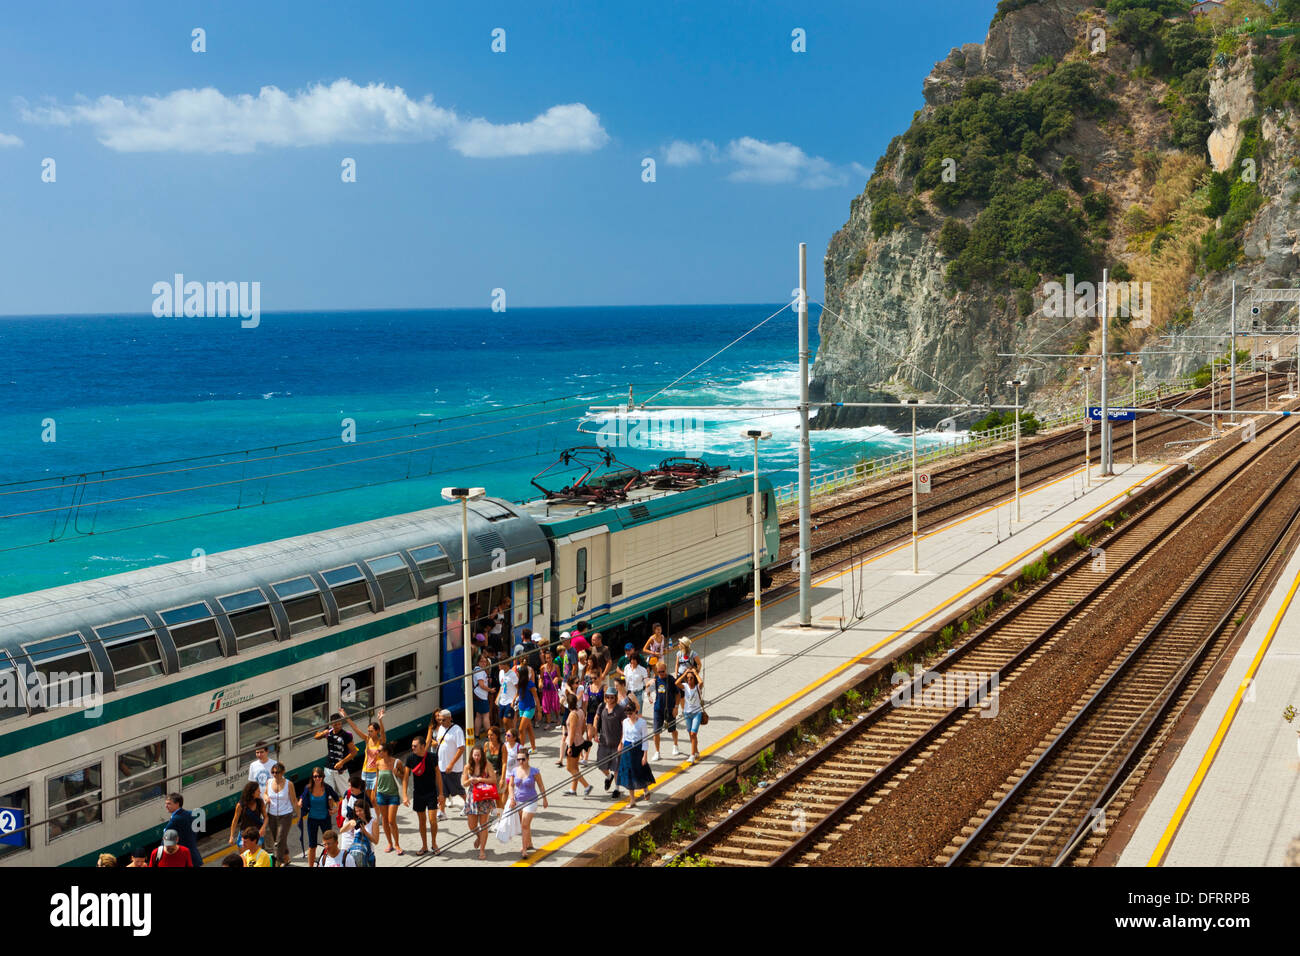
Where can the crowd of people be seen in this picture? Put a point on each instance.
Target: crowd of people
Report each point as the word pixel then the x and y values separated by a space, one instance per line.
pixel 620 707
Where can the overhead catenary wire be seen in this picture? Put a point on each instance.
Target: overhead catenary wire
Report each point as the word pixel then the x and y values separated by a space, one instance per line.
pixel 719 352
pixel 858 329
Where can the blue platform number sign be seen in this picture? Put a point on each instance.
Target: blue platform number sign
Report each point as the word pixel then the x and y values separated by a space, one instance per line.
pixel 11 827
pixel 1116 415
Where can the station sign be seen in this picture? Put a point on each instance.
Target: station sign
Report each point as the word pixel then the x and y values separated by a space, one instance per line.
pixel 1116 415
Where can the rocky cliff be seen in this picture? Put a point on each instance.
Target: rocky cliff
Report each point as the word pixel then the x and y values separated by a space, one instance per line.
pixel 1078 136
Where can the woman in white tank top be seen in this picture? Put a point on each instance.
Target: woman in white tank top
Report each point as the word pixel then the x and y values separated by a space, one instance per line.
pixel 280 804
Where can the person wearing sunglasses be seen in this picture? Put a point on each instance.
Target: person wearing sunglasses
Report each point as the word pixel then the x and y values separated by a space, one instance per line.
pixel 280 803
pixel 523 788
pixel 318 805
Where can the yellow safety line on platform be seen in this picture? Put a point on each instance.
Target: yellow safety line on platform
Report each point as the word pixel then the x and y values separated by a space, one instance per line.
pixel 745 728
pixel 1167 838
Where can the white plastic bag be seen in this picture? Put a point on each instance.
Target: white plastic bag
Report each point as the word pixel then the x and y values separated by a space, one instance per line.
pixel 509 826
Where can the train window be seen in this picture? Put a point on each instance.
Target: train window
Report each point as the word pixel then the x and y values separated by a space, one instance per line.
pixel 399 679
pixel 538 591
pixel 203 752
pixel 133 649
pixel 141 775
pixel 749 505
pixel 348 585
pixel 12 703
pixel 309 712
pixel 74 800
pixel 580 578
pixel 302 603
pixel 251 618
pixel 394 579
pixel 13 807
pixel 257 724
pixel 194 633
pixel 62 663
pixel 357 691
pixel 432 562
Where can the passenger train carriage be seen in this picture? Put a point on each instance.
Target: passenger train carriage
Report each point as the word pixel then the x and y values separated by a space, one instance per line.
pixel 199 660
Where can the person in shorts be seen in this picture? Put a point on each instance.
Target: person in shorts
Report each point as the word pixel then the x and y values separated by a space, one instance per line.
pixel 665 708
pixel 317 805
pixel 451 760
pixel 420 788
pixel 482 689
pixel 508 695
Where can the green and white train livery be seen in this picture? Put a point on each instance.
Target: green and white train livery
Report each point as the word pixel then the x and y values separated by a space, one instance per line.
pixel 185 666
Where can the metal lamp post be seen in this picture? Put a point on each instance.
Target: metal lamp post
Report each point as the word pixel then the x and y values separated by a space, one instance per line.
pixel 757 434
pixel 1016 385
pixel 465 496
pixel 916 558
pixel 1087 425
pixel 1133 367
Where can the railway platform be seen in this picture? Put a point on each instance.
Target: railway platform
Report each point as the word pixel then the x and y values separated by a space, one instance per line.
pixel 862 611
pixel 1231 794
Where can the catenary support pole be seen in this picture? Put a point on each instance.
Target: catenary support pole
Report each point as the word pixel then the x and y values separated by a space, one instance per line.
pixel 466 639
pixel 758 550
pixel 1017 450
pixel 916 558
pixel 1135 418
pixel 805 449
pixel 1106 460
pixel 1232 354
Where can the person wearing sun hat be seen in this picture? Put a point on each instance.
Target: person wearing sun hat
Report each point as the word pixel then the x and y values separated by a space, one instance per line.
pixel 686 659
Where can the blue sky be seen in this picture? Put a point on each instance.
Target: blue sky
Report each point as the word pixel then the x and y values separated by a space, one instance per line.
pixel 520 170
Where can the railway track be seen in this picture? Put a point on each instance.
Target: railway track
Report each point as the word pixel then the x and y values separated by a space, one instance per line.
pixel 838 784
pixel 1048 811
pixel 883 514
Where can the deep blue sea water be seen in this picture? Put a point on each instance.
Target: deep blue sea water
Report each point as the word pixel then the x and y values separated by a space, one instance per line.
pixel 252 421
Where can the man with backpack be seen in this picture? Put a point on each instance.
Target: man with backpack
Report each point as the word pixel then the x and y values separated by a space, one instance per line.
pixel 171 853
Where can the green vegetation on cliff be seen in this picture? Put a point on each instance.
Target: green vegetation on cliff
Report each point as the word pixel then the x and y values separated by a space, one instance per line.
pixel 1232 199
pixel 985 131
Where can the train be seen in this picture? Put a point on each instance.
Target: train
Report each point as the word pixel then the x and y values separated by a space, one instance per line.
pixel 119 690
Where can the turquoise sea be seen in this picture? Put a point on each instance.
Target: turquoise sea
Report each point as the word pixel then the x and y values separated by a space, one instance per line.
pixel 129 440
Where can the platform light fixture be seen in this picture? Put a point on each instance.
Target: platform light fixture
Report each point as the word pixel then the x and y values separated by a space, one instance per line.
pixel 1087 423
pixel 916 555
pixel 1133 365
pixel 1017 384
pixel 465 496
pixel 758 435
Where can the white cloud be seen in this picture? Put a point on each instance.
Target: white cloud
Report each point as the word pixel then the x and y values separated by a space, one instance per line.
pixel 8 140
pixel 679 153
pixel 760 162
pixel 561 129
pixel 208 121
pixel 756 161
